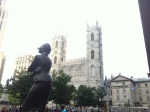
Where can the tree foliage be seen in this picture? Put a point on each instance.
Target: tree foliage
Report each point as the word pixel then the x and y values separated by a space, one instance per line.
pixel 86 96
pixel 89 96
pixel 20 86
pixel 1 90
pixel 101 93
pixel 62 91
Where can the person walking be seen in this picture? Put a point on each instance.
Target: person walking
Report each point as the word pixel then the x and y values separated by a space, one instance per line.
pixel 63 109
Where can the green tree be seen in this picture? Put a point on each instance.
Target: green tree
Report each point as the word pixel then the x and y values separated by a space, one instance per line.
pixel 101 93
pixel 20 86
pixel 89 96
pixel 62 91
pixel 86 96
pixel 1 90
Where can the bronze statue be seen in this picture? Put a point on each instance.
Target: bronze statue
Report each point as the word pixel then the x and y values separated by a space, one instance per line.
pixel 38 95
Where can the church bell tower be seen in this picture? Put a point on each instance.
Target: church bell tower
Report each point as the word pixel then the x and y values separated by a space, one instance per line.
pixel 94 55
pixel 58 53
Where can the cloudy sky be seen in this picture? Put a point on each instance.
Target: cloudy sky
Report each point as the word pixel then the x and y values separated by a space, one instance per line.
pixel 31 23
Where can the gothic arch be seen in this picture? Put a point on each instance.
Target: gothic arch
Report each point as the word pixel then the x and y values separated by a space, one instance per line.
pixel 72 70
pixel 92 54
pixel 81 69
pixel 92 36
pixel 55 59
pixel 92 71
pixel 64 68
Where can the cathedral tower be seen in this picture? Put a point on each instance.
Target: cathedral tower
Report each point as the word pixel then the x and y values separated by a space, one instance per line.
pixel 58 54
pixel 84 71
pixel 94 55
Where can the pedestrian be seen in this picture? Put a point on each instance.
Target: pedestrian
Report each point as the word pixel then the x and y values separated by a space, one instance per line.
pixel 4 109
pixel 63 109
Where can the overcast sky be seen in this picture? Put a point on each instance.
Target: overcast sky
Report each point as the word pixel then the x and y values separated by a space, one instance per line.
pixel 31 23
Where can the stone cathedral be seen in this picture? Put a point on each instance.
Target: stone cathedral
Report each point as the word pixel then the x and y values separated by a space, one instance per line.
pixel 84 71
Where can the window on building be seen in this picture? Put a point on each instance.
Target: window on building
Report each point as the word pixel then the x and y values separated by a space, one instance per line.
pixel 146 85
pixel 56 44
pixel 92 36
pixel 140 92
pixel 99 37
pixel 92 71
pixel 92 54
pixel 118 97
pixel 124 97
pixel 139 85
pixel 124 90
pixel 123 83
pixel 148 98
pixel 111 91
pixel 117 83
pixel 55 60
pixel 140 98
pixel 147 91
pixel 117 91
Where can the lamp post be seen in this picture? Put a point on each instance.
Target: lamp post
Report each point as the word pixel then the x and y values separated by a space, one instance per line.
pixel 129 104
pixel 107 87
pixel 100 100
pixel 100 96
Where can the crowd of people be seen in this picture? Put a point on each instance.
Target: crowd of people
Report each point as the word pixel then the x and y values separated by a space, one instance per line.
pixel 9 109
pixel 72 109
pixel 61 108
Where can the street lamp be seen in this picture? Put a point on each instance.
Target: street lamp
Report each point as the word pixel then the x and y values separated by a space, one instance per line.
pixel 100 96
pixel 106 85
pixel 100 100
pixel 129 104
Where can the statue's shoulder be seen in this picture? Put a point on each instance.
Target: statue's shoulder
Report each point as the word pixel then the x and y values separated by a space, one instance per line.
pixel 38 55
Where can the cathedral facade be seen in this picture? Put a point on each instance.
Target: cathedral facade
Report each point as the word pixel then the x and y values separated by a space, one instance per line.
pixel 84 71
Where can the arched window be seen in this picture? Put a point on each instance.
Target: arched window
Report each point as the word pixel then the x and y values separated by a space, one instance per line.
pixel 82 71
pixel 61 59
pixel 92 36
pixel 92 71
pixel 55 60
pixel 92 54
pixel 56 44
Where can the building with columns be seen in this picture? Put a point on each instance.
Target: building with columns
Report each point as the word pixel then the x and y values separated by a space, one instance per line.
pixel 135 91
pixel 23 62
pixel 84 71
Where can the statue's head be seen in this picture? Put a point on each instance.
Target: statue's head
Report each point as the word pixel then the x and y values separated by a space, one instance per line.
pixel 45 48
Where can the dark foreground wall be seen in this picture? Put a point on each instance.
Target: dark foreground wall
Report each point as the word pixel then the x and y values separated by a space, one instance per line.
pixel 144 6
